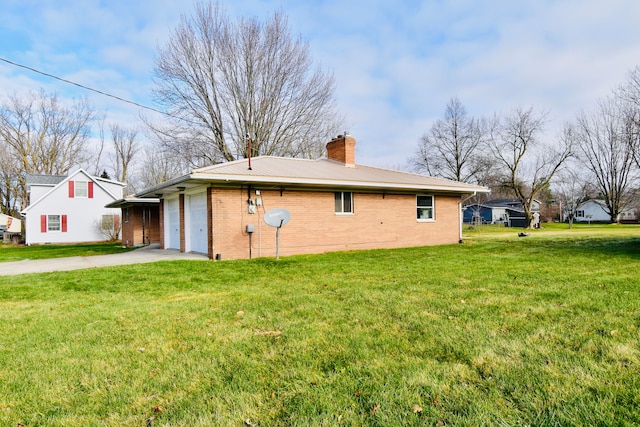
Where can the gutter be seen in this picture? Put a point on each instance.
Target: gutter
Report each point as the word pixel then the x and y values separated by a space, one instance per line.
pixel 318 183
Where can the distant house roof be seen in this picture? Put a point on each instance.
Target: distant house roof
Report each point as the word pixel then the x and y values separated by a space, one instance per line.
pixel 503 203
pixel 99 182
pixel 512 203
pixel 318 174
pixel 47 180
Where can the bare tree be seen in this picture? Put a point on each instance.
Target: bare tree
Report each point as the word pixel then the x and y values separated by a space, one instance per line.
pixel 528 164
pixel 96 154
pixel 607 139
pixel 161 167
pixel 43 135
pixel 9 188
pixel 571 188
pixel 224 83
pixel 629 95
pixel 125 149
pixel 109 226
pixel 453 147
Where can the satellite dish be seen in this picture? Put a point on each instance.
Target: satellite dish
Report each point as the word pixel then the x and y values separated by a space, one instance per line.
pixel 277 218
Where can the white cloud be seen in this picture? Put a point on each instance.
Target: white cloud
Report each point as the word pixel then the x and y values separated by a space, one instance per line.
pixel 396 63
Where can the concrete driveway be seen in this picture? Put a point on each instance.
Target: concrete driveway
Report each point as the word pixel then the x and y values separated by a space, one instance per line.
pixel 151 253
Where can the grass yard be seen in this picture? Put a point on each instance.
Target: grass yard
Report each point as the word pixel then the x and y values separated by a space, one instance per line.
pixel 10 252
pixel 539 331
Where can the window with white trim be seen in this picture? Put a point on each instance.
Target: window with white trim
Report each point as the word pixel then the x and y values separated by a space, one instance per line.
pixel 81 189
pixel 580 213
pixel 344 202
pixel 424 205
pixel 53 223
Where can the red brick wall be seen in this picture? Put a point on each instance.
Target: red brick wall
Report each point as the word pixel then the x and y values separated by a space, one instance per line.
pixel 210 248
pixel 378 221
pixel 128 227
pixel 132 229
pixel 154 229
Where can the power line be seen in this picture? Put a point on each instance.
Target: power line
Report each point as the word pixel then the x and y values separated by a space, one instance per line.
pixel 84 87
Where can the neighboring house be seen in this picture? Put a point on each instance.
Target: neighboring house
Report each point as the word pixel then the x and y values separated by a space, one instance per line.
pixel 140 220
pixel 70 209
pixel 595 210
pixel 10 229
pixel 334 204
pixel 509 212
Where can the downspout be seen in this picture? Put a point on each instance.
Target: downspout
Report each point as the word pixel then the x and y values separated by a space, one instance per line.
pixel 462 215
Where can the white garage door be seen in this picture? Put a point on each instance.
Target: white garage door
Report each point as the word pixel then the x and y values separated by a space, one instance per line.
pixel 198 209
pixel 173 209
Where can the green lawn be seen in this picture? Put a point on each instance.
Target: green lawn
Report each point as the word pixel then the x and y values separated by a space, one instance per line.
pixel 18 253
pixel 542 330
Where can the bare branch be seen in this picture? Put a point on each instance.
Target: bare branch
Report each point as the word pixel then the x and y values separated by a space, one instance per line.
pixel 226 81
pixel 607 139
pixel 453 147
pixel 528 163
pixel 44 136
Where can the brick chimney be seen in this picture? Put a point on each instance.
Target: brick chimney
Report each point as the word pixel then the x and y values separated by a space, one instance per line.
pixel 342 149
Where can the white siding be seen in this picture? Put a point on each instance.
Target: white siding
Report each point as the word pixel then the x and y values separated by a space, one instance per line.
pixel 37 191
pixel 593 211
pixel 83 214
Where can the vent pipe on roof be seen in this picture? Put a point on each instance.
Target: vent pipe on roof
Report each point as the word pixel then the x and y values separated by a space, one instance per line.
pixel 249 150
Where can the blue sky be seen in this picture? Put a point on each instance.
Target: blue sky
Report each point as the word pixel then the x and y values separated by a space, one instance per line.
pixel 396 64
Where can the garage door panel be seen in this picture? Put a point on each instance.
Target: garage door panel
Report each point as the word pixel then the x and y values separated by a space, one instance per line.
pixel 173 209
pixel 198 217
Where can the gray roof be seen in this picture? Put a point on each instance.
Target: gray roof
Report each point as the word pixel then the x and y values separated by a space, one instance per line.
pixel 50 180
pixel 322 173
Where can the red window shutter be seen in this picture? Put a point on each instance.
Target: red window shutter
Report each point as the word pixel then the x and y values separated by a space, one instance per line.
pixel 63 224
pixel 71 191
pixel 43 223
pixel 90 189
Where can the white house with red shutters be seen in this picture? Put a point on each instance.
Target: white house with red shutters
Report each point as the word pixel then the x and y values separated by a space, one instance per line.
pixel 70 209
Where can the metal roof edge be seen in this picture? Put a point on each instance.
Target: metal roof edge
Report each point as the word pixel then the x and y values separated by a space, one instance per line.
pixel 466 188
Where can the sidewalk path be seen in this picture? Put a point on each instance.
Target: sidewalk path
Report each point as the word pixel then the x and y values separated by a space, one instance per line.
pixel 146 254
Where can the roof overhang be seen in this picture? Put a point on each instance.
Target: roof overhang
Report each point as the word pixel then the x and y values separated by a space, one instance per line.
pixel 185 182
pixel 133 201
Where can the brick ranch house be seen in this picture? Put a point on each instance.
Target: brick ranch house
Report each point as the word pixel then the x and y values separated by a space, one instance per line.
pixel 335 205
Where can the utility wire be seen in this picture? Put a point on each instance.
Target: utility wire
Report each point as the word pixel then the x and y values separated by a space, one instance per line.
pixel 84 87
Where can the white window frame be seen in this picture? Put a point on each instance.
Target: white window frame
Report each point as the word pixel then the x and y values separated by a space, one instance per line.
pixel 342 194
pixel 56 219
pixel 81 192
pixel 580 213
pixel 420 208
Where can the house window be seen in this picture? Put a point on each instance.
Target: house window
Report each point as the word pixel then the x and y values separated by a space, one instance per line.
pixel 424 208
pixel 344 202
pixel 53 222
pixel 580 213
pixel 107 222
pixel 81 189
pixel 126 215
